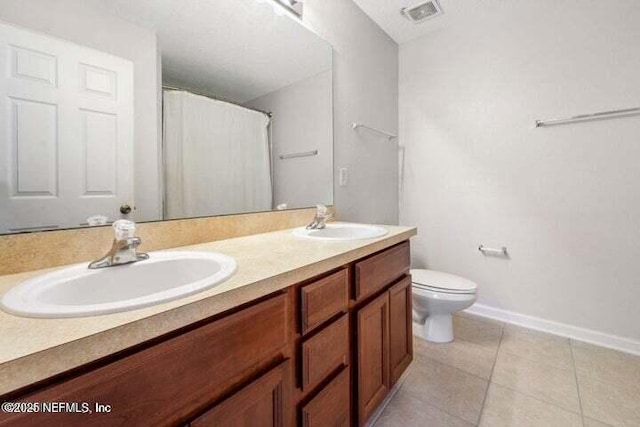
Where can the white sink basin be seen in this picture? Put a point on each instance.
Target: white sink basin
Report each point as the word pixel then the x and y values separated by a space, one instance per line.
pixel 342 231
pixel 77 291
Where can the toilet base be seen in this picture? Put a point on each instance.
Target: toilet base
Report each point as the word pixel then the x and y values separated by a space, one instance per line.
pixel 437 328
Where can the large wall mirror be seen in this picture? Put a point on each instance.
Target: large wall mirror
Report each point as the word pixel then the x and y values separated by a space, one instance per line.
pixel 159 109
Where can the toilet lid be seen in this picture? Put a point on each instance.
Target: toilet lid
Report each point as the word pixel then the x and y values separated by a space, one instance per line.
pixel 442 281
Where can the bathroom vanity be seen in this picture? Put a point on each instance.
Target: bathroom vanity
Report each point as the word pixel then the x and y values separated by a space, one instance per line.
pixel 207 114
pixel 321 350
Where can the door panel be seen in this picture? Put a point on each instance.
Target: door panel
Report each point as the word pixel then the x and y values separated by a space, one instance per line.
pixel 400 328
pixel 373 355
pixel 66 138
pixel 260 404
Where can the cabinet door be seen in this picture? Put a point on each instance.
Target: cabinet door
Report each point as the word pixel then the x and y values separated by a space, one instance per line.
pixel 400 328
pixel 373 355
pixel 262 403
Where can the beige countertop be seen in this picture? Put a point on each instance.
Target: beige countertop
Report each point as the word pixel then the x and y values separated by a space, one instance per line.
pixel 35 349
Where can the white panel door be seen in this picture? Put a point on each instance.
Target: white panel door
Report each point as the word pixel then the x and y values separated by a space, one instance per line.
pixel 66 132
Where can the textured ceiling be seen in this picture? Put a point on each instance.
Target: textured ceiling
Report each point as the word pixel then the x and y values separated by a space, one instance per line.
pixel 234 49
pixel 386 13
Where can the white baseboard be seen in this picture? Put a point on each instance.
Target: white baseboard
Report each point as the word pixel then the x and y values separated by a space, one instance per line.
pixel 569 331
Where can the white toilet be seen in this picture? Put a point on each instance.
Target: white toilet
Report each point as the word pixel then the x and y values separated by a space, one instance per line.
pixel 436 296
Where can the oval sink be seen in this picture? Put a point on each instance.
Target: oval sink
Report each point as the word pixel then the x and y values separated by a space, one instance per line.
pixel 342 231
pixel 78 291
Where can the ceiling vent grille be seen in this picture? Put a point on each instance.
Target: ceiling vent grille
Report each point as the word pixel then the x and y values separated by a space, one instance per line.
pixel 422 11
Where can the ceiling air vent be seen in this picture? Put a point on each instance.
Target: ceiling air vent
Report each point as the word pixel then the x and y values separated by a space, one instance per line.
pixel 422 11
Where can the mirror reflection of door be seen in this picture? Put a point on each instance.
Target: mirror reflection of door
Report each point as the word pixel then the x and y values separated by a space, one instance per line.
pixel 66 146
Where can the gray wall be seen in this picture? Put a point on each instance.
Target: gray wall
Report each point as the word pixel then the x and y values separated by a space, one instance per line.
pixel 565 200
pixel 365 90
pixel 301 122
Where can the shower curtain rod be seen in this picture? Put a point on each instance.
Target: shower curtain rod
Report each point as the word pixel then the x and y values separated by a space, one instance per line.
pixel 180 89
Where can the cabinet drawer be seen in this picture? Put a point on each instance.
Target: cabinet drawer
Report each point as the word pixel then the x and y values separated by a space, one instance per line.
pixel 321 300
pixel 330 408
pixel 325 352
pixel 381 270
pixel 165 384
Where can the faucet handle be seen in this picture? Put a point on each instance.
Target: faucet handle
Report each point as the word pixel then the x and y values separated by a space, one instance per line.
pixel 124 229
pixel 321 210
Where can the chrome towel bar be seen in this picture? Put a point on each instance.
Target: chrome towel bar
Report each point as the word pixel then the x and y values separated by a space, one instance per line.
pixel 389 136
pixel 494 251
pixel 296 155
pixel 585 117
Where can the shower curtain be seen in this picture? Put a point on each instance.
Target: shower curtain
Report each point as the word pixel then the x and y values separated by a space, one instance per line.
pixel 217 158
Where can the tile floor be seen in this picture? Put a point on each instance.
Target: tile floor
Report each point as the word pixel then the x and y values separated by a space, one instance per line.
pixel 496 375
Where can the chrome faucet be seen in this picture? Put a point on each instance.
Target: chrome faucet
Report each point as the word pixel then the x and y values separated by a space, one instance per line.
pixel 124 247
pixel 320 220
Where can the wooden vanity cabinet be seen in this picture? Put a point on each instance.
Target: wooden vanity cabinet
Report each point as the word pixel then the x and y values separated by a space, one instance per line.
pixel 322 353
pixel 169 383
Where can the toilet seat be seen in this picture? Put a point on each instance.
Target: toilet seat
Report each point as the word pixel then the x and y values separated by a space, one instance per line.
pixel 438 282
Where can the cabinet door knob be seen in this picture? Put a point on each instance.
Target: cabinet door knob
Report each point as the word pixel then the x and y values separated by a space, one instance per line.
pixel 125 209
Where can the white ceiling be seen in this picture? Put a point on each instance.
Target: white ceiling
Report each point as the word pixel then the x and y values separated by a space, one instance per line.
pixel 386 13
pixel 234 49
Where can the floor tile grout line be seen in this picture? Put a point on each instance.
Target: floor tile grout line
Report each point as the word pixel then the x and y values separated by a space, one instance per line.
pixel 455 367
pixel 417 397
pixel 541 362
pixel 414 367
pixel 530 396
pixel 579 413
pixel 575 376
pixel 537 399
pixel 572 368
pixel 614 384
pixel 486 392
pixel 572 365
pixel 459 370
pixel 578 385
